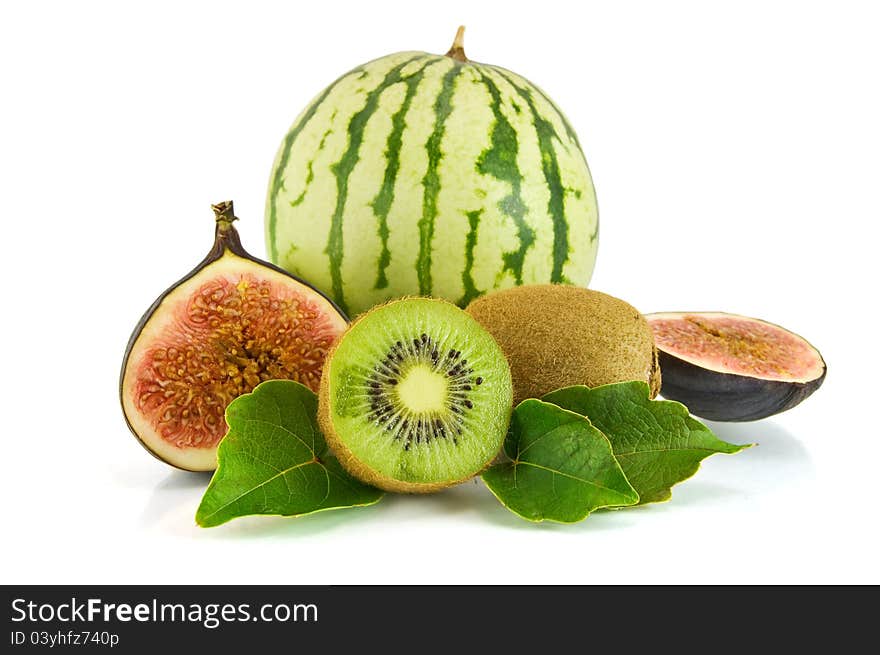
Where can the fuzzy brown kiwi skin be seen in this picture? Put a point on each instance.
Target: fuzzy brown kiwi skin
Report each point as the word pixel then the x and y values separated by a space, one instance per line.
pixel 655 377
pixel 226 239
pixel 347 459
pixel 513 316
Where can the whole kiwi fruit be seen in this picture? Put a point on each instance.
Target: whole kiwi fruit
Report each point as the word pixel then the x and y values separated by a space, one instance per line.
pixel 557 335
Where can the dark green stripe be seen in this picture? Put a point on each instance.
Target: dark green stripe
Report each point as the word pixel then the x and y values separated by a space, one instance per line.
pixel 569 130
pixel 310 173
pixel 342 170
pixel 278 178
pixel 385 198
pixel 467 279
pixel 431 181
pixel 499 161
pixel 550 165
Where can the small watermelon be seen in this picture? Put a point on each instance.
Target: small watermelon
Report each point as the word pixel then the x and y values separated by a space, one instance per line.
pixel 420 174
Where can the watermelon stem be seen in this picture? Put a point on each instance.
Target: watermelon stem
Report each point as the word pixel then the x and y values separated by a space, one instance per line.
pixel 456 52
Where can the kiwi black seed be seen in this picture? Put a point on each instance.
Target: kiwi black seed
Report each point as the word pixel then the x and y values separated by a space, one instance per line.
pixel 416 396
pixel 403 424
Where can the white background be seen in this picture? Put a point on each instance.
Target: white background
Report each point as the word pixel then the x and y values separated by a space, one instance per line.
pixel 736 154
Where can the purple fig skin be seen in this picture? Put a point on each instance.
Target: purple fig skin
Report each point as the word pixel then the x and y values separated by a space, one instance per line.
pixel 720 396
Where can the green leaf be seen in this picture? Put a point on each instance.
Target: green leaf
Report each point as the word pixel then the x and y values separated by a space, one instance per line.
pixel 561 467
pixel 657 443
pixel 274 460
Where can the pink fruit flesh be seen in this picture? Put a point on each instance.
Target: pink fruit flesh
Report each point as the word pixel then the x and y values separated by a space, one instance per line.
pixel 736 344
pixel 234 332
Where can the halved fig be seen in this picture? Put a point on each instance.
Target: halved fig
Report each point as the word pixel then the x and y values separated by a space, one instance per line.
pixel 231 323
pixel 726 367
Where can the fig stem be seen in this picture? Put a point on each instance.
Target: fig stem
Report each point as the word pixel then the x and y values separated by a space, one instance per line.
pixel 456 52
pixel 224 215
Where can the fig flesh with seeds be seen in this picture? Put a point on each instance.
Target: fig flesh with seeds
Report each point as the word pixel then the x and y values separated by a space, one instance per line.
pixel 727 367
pixel 232 322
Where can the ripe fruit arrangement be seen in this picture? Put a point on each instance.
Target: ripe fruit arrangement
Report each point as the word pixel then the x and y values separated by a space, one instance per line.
pixel 447 205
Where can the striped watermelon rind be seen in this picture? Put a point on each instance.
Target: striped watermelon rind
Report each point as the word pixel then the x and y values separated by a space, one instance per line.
pixel 419 174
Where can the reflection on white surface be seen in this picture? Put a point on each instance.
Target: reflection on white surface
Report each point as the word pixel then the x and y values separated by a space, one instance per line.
pixel 179 491
pixel 778 460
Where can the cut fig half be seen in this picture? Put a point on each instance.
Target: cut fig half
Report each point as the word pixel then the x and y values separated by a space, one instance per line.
pixel 726 367
pixel 232 322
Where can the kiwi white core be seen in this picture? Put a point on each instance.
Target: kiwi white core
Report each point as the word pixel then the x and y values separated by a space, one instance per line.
pixel 422 390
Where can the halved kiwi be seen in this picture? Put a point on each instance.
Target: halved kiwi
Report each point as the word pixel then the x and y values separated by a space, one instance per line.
pixel 415 396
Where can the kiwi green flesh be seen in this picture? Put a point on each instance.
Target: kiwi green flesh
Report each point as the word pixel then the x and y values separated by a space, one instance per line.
pixel 416 396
